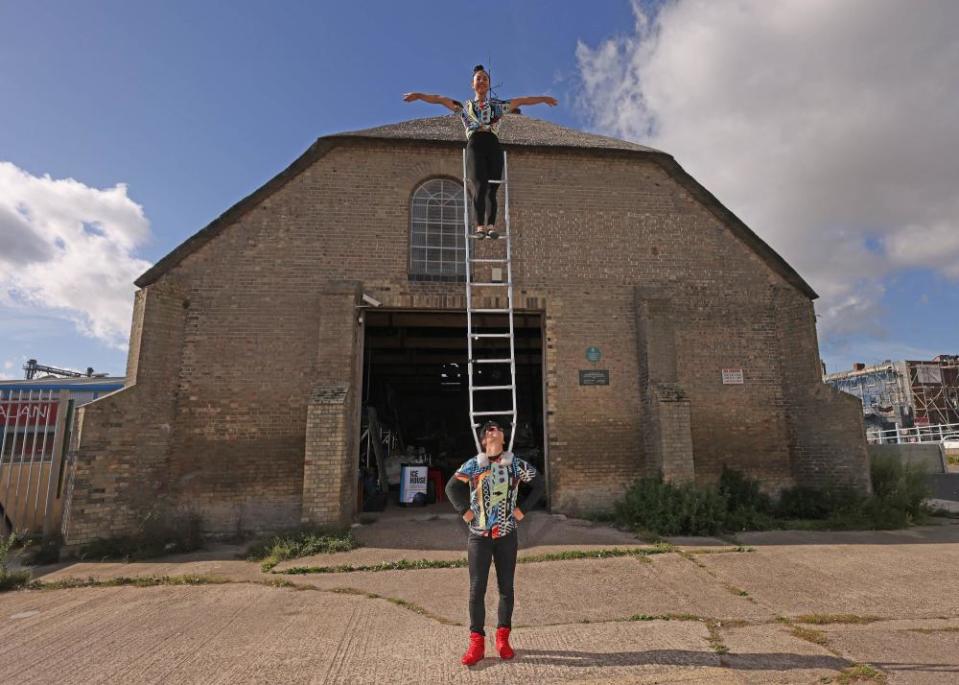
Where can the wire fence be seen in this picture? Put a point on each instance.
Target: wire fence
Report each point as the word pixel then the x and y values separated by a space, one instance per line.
pixel 917 434
pixel 33 431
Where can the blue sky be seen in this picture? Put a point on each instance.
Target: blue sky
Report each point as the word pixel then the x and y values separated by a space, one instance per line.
pixel 192 106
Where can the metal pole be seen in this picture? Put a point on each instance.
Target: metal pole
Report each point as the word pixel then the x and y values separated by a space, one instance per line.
pixel 509 299
pixel 56 463
pixel 8 403
pixel 13 448
pixel 43 454
pixel 469 305
pixel 34 410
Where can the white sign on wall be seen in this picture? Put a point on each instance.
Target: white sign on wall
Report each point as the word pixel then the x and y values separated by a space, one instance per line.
pixel 733 377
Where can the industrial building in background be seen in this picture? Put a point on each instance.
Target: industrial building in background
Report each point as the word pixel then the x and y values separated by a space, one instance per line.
pixel 905 399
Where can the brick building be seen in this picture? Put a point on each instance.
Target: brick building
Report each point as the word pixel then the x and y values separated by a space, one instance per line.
pixel 252 351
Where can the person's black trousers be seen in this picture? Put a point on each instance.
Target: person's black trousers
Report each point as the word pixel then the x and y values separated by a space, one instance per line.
pixel 481 551
pixel 484 162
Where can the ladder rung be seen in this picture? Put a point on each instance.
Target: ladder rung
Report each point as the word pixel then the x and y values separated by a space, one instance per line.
pixel 489 284
pixel 511 412
pixel 501 182
pixel 489 261
pixel 492 361
pixel 489 311
pixel 491 335
pixel 492 387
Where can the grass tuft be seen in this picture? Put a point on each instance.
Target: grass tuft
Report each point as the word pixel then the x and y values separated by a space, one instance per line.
pixel 10 580
pixel 829 619
pixel 300 543
pixel 861 673
pixel 402 603
pixel 666 617
pixel 421 564
pixel 715 639
pixel 817 637
pixel 128 581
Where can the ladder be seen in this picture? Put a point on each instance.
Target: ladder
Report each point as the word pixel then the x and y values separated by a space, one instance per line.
pixel 498 360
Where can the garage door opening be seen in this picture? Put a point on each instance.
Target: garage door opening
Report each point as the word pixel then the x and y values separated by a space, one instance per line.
pixel 416 399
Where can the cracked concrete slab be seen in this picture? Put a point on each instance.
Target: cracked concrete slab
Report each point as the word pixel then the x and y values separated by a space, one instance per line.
pixel 785 658
pixel 922 652
pixel 563 591
pixel 574 610
pixel 887 580
pixel 252 634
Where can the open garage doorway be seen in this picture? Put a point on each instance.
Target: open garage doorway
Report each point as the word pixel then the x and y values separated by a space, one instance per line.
pixel 416 399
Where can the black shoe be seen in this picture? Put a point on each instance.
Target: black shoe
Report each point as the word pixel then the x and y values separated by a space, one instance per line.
pixel 492 234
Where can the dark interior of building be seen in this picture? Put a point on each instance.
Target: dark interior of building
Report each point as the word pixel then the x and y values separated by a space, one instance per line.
pixel 416 389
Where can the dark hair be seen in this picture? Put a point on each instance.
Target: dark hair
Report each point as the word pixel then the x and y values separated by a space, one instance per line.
pixel 486 426
pixel 480 67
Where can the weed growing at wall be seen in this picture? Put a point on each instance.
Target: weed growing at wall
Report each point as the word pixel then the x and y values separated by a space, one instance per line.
pixel 300 543
pixel 158 533
pixel 737 504
pixel 663 508
pixel 10 580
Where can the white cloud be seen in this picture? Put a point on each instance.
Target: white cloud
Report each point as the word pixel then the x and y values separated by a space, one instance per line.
pixel 70 248
pixel 830 128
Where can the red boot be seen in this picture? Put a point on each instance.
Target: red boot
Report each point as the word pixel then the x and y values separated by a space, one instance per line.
pixel 502 644
pixel 476 650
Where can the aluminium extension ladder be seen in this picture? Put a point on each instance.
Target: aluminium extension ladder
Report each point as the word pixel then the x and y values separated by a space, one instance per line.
pixel 498 360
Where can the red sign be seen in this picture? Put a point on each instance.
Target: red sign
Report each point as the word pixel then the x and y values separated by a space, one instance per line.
pixel 27 413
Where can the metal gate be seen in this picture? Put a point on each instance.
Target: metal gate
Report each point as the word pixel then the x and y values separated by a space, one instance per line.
pixel 35 426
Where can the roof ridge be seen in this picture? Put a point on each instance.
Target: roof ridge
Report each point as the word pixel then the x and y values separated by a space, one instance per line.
pixel 516 129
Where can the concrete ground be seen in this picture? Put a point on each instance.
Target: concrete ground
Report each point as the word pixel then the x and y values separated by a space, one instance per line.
pixel 786 607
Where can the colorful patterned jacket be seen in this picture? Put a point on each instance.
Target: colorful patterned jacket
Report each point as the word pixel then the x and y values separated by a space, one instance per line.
pixel 494 488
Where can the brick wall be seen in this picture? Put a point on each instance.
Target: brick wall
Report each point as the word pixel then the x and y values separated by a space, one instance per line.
pixel 119 459
pixel 590 228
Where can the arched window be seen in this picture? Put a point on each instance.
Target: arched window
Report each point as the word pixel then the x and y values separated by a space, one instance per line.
pixel 437 245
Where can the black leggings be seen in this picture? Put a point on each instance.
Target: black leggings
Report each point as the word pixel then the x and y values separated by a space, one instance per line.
pixel 502 552
pixel 484 161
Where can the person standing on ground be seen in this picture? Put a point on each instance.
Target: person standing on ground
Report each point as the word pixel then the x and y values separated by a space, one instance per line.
pixel 484 156
pixel 484 492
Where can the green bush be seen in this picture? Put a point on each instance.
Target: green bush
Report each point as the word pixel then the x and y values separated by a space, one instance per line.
pixel 804 502
pixel 10 580
pixel 300 543
pixel 670 509
pixel 738 504
pixel 898 493
pixel 900 486
pixel 747 507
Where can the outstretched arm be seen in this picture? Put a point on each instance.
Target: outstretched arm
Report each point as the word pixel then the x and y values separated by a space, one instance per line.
pixel 449 103
pixel 533 100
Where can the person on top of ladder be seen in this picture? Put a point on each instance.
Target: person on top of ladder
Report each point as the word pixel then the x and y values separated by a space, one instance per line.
pixel 484 156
